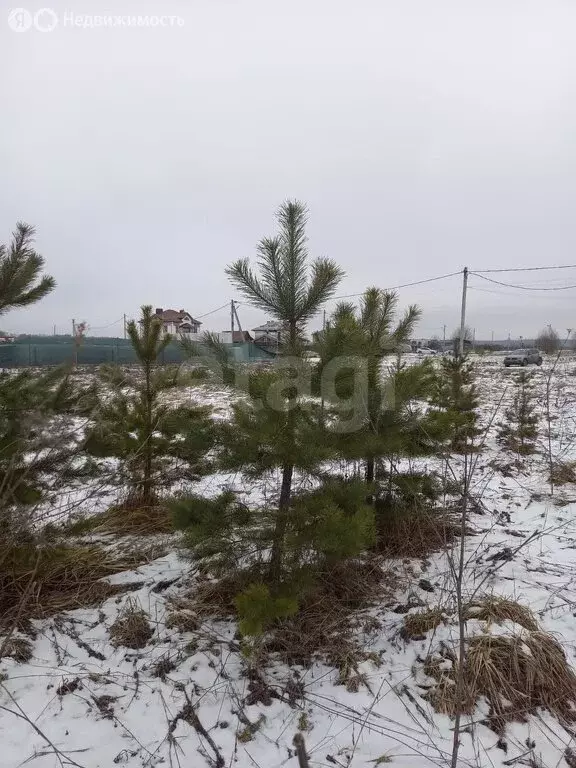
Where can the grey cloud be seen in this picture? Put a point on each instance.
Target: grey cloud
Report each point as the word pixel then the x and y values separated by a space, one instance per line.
pixel 424 137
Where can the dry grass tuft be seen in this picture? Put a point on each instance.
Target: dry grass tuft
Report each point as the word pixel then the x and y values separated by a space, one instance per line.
pixel 17 648
pixel 40 581
pixel 444 695
pixel 163 666
pixel 183 619
pixel 563 472
pixel 517 675
pixel 414 532
pixel 132 628
pixel 325 623
pixel 128 518
pixel 217 598
pixel 495 610
pixel 416 625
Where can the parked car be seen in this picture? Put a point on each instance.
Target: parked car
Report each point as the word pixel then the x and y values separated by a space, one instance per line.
pixel 426 351
pixel 523 357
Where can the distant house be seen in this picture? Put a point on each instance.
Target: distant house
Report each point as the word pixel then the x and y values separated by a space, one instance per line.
pixel 239 337
pixel 269 334
pixel 178 322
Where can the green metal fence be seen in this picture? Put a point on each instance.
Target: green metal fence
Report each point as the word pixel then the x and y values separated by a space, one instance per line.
pixel 40 351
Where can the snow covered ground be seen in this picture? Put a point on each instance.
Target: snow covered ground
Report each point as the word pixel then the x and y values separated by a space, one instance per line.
pixel 182 700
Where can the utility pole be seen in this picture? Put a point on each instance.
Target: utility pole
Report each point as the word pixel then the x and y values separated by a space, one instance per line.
pixel 463 312
pixel 231 321
pixel 238 323
pixel 124 324
pixel 75 346
pixel 324 320
pixel 54 330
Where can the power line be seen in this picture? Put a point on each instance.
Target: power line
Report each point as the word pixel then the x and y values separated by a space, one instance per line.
pixel 479 274
pixel 496 292
pixel 224 306
pixel 489 290
pixel 523 287
pixel 404 285
pixel 102 327
pixel 525 269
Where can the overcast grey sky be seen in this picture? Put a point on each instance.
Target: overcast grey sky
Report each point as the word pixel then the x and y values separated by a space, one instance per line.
pixel 424 136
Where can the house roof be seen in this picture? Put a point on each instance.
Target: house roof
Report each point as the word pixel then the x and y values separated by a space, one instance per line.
pixel 270 325
pixel 265 338
pixel 174 316
pixel 241 336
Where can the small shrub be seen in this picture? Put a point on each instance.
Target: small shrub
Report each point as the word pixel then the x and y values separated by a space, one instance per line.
pixel 328 601
pixel 325 525
pixel 330 524
pixel 247 733
pixel 548 341
pixel 303 722
pixel 455 403
pixel 215 529
pixel 520 430
pixel 155 444
pixel 257 609
pixel 326 623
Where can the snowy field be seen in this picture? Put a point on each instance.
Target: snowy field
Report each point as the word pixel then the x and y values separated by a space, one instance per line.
pixel 100 705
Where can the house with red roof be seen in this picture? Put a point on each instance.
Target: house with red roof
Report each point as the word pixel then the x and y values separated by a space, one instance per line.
pixel 178 322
